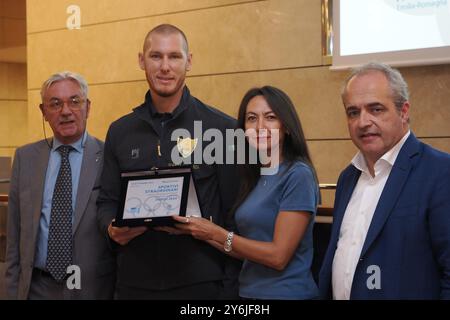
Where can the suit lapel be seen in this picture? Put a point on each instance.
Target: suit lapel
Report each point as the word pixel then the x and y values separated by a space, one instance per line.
pixel 394 186
pixel 37 181
pixel 88 174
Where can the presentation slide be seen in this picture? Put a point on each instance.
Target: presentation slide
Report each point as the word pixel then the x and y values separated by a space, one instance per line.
pixel 375 26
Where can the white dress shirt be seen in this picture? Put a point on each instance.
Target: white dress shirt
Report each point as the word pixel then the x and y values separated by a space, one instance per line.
pixel 357 218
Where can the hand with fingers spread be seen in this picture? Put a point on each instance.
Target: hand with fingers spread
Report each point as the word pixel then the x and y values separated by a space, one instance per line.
pixel 124 235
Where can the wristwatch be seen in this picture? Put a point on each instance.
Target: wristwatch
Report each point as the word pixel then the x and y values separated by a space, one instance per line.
pixel 227 246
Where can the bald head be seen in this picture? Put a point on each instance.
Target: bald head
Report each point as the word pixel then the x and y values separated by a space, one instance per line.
pixel 166 29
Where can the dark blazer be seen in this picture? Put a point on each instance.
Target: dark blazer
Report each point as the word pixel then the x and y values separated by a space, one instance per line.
pixel 90 249
pixel 409 236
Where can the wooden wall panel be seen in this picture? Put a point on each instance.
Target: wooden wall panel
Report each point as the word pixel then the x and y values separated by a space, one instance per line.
pixel 236 45
pixel 45 15
pixel 13 107
pixel 13 124
pixel 106 53
pixel 13 81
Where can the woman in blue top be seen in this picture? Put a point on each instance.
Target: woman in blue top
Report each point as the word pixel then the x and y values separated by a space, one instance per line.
pixel 275 212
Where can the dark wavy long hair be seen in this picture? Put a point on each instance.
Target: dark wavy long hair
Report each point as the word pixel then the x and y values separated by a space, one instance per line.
pixel 294 146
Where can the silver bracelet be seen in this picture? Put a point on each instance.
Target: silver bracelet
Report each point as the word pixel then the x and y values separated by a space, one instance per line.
pixel 227 246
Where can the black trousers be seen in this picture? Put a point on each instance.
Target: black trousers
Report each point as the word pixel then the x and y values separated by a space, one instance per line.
pixel 200 291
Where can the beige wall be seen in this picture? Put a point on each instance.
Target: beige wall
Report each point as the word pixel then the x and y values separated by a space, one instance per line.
pixel 12 26
pixel 13 83
pixel 13 107
pixel 12 31
pixel 236 45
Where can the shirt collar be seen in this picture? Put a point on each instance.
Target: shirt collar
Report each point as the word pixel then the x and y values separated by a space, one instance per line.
pixel 77 145
pixel 166 115
pixel 389 157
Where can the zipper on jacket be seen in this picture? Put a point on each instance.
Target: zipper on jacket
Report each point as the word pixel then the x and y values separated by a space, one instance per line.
pixel 161 137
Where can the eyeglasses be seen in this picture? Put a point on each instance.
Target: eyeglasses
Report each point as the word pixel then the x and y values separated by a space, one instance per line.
pixel 74 103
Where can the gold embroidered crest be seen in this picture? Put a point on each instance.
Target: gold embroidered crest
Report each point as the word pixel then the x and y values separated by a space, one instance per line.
pixel 186 146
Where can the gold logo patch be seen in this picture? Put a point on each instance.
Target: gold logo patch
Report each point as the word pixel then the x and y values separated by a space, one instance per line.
pixel 186 146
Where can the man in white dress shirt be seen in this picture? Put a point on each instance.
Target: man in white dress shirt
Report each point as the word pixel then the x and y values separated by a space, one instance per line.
pixel 391 229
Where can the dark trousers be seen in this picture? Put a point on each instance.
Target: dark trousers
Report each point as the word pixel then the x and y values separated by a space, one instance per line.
pixel 200 291
pixel 44 287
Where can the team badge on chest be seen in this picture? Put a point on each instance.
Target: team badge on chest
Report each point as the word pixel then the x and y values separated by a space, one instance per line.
pixel 186 146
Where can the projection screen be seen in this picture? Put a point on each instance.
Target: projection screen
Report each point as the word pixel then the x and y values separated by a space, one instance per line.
pixel 397 32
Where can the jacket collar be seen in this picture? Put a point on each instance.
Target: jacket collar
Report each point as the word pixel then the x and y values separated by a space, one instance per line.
pixel 393 188
pixel 147 110
pixel 388 158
